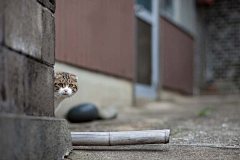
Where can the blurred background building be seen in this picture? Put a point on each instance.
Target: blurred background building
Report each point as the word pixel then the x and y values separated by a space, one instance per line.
pixel 136 48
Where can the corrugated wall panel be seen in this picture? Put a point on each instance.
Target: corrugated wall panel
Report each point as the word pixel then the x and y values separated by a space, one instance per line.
pixel 97 35
pixel 177 49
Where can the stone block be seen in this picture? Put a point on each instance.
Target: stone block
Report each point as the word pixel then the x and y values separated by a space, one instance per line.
pixel 50 4
pixel 33 138
pixel 39 79
pixel 2 79
pixel 1 21
pixel 24 28
pixel 27 86
pixel 48 45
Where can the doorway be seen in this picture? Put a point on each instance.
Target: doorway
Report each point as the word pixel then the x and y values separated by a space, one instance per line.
pixel 147 78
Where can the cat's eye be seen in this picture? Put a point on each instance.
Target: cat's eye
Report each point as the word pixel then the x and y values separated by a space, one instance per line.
pixel 60 84
pixel 70 85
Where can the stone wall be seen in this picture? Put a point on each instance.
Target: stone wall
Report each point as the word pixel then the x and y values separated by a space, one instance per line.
pixel 222 73
pixel 27 58
pixel 27 47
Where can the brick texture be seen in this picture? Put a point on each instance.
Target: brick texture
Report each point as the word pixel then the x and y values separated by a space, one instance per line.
pixel 223 45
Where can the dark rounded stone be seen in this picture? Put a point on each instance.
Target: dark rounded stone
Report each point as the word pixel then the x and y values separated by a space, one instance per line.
pixel 83 113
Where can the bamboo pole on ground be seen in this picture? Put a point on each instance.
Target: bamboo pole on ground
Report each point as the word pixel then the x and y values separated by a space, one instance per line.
pixel 120 138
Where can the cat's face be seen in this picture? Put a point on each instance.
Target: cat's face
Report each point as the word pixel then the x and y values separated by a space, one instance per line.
pixel 65 84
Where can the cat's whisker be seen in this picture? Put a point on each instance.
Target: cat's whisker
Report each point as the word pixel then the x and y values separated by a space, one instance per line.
pixel 58 97
pixel 73 97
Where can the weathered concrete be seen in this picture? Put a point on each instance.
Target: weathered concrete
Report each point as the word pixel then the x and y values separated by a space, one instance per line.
pixel 48 39
pixel 23 26
pixel 29 30
pixel 1 21
pixel 27 46
pixel 201 128
pixel 33 138
pixel 50 4
pixel 154 152
pixel 26 85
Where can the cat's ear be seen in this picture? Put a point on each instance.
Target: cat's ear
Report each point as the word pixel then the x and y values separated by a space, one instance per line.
pixel 74 77
pixel 57 75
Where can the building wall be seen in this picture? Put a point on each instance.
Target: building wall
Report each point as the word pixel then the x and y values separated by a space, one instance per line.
pixel 178 44
pixel 185 14
pixel 177 51
pixel 96 35
pixel 222 73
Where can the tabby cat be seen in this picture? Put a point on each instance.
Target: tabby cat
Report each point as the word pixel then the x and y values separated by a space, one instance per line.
pixel 65 85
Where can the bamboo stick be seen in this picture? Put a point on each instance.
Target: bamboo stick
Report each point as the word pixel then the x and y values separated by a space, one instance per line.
pixel 120 138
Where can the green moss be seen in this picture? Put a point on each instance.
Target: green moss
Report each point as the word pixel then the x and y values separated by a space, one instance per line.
pixel 204 112
pixel 174 133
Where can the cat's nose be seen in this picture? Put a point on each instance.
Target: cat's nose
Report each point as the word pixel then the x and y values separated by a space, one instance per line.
pixel 65 90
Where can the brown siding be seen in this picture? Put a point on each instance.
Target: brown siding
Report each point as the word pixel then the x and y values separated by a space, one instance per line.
pixel 176 57
pixel 97 35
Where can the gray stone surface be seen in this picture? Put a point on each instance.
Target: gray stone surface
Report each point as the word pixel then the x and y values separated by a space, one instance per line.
pixel 33 138
pixel 1 20
pixel 50 4
pixel 23 26
pixel 219 124
pixel 154 152
pixel 27 39
pixel 201 128
pixel 26 86
pixel 48 43
pixel 25 30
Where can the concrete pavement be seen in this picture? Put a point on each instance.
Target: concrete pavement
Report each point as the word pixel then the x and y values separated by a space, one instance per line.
pixel 206 127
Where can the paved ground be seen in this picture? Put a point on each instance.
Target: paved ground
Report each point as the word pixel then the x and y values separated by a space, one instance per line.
pixel 201 128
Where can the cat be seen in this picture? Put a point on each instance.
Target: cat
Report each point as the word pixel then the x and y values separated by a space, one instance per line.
pixel 65 85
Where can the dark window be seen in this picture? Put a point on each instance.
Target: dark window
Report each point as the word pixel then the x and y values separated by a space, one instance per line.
pixel 147 4
pixel 168 7
pixel 144 59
